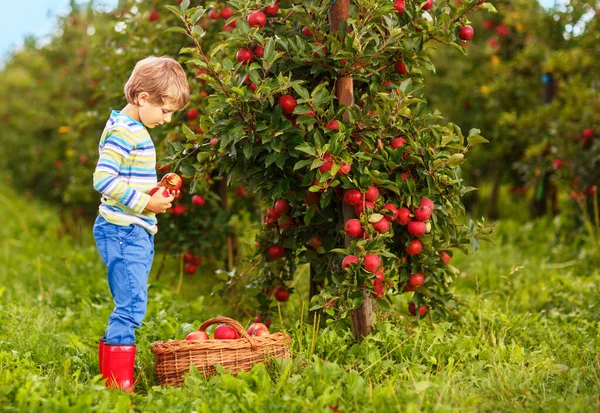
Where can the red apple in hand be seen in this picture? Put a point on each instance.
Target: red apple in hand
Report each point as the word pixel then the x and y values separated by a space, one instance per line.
pixel 225 332
pixel 165 193
pixel 171 181
pixel 197 335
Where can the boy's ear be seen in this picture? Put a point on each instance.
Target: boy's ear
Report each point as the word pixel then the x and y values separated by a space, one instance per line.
pixel 143 99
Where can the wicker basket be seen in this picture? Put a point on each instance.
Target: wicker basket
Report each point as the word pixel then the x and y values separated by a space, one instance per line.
pixel 174 358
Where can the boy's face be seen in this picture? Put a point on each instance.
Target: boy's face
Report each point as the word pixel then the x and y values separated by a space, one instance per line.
pixel 153 115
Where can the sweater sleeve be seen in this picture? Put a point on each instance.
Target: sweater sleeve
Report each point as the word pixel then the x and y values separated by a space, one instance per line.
pixel 114 152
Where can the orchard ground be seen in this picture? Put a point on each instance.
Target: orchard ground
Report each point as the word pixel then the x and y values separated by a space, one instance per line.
pixel 526 339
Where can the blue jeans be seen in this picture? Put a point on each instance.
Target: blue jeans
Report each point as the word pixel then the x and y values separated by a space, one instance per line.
pixel 127 252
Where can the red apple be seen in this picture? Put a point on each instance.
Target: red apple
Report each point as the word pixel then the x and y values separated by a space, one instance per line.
pixel 344 169
pixel 315 242
pixel 197 335
pixel 244 56
pixel 259 51
pixel 275 252
pixel 287 103
pixel 372 263
pixel 428 5
pixel 372 194
pixel 399 6
pixel 190 268
pixel 226 13
pixel 258 330
pixel 353 197
pixel 414 248
pixel 401 67
pixel 281 206
pixel 398 142
pixel 353 228
pixel 153 16
pixel 422 213
pixel 257 19
pixel 412 308
pixel 171 181
pixel 427 203
pixel 333 125
pixel 404 216
pixel 416 279
pixel 214 14
pixel 381 226
pixel 393 210
pixel 466 33
pixel 445 256
pixel 198 200
pixel 281 294
pixel 416 228
pixel 225 332
pixel 349 260
pixel 165 193
pixel 192 114
pixel 306 31
pixel 588 133
pixel 273 9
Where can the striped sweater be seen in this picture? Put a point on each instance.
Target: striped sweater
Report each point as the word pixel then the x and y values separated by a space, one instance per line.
pixel 126 172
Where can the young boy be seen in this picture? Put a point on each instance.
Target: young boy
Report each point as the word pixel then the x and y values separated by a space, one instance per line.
pixel 125 227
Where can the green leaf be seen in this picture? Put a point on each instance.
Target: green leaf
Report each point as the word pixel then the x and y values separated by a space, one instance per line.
pixel 476 140
pixel 187 170
pixel 489 7
pixel 174 10
pixel 176 29
pixel 184 5
pixel 197 15
pixel 306 147
pixel 456 160
pixel 191 136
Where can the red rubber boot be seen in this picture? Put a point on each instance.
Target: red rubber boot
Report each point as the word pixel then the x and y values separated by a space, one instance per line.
pixel 100 353
pixel 117 366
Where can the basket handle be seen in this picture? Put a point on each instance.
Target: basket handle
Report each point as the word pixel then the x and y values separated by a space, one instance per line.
pixel 231 323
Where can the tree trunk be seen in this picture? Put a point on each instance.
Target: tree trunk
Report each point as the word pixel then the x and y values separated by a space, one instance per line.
pixel 362 317
pixel 231 239
pixel 314 288
pixel 492 206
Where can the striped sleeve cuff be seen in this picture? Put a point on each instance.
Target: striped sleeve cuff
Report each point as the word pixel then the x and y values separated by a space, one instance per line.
pixel 137 201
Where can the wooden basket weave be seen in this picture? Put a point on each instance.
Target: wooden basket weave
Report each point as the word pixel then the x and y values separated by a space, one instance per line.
pixel 174 358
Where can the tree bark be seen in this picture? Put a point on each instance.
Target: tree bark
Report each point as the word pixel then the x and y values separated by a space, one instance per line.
pixel 362 317
pixel 230 238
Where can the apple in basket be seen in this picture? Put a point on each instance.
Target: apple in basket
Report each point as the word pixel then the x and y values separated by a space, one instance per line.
pixel 225 332
pixel 197 335
pixel 258 330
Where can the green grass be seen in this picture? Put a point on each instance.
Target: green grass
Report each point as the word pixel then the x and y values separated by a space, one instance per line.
pixel 527 335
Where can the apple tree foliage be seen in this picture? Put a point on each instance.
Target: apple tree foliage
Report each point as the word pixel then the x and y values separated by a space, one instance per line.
pixel 309 150
pixel 528 82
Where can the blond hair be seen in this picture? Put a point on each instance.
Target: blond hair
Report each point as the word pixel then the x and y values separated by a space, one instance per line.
pixel 162 78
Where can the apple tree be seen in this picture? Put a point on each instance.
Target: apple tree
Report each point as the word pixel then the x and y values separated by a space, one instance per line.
pixel 318 108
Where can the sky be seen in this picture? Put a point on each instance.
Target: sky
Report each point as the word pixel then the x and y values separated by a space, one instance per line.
pixel 38 18
pixel 31 17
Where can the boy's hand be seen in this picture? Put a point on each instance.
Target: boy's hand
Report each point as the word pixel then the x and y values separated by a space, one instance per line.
pixel 159 203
